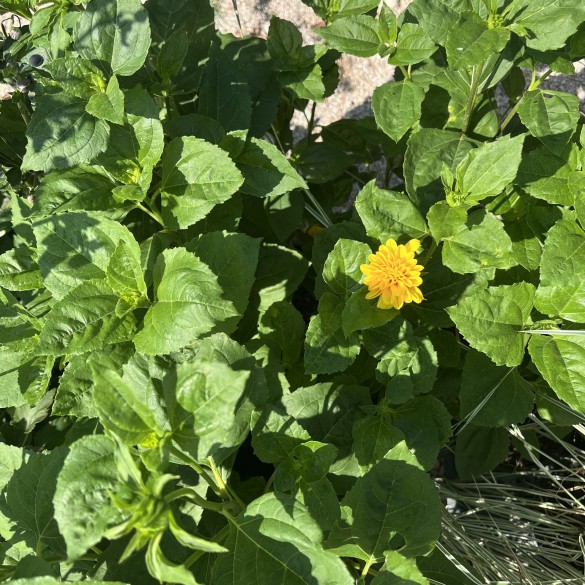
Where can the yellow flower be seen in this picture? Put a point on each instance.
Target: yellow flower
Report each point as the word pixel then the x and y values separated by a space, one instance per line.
pixel 393 275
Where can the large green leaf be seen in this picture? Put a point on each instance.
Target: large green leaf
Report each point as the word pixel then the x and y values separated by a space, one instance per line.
pixel 84 320
pixel 276 540
pixel 189 303
pixel 561 361
pixel 561 292
pixel 356 35
pixel 196 176
pixel 61 134
pixel 491 321
pixel 394 499
pixel 76 247
pixel 108 105
pixel 83 507
pixel 551 116
pixel 479 449
pixel 493 396
pixel 19 271
pixel 116 32
pixel 388 214
pixel 489 169
pixel 397 107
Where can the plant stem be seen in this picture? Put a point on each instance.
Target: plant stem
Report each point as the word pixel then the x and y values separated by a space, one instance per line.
pixel 152 214
pixel 405 72
pixel 475 77
pixel 199 553
pixel 533 85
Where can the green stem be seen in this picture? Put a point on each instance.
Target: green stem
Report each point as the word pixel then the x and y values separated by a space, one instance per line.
pixel 23 111
pixel 152 214
pixel 475 77
pixel 405 72
pixel 533 85
pixel 196 467
pixel 227 491
pixel 365 571
pixel 429 253
pixel 191 494
pixel 219 537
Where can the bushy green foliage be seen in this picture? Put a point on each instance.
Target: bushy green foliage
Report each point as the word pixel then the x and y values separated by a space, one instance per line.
pixel 193 385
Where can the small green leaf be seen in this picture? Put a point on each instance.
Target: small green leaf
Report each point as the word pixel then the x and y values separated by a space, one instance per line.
pixel 360 313
pixel 108 106
pixel 389 214
pixel 356 35
pixel 491 321
pixel 283 327
pixel 342 272
pixel 19 271
pixel 412 46
pixel 172 54
pixel 189 303
pixel 196 176
pixel 398 570
pixel 445 220
pixel 397 107
pixel 61 134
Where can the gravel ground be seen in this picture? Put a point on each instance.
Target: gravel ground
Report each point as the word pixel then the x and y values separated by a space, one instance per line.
pixel 358 77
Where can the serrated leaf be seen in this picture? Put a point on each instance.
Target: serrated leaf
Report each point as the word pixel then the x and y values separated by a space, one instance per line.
pixel 172 54
pixel 437 20
pixel 489 169
pixel 357 35
pixel 284 543
pixel 480 243
pixel 551 116
pixel 19 271
pixel 109 105
pixel 283 327
pixel 445 220
pixel 412 46
pixel 75 76
pixel 189 303
pixel 479 449
pixel 493 396
pixel 116 32
pixel 471 40
pixel 83 507
pixel 397 107
pixel 85 320
pixel 342 272
pixel 389 214
pixel 61 134
pixel 398 570
pixel 266 171
pixel 196 176
pixel 361 313
pixel 491 321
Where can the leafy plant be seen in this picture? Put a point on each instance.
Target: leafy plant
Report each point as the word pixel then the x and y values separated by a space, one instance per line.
pixel 197 385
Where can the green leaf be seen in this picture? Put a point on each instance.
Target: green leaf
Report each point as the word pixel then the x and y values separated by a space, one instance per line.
pixel 561 362
pixel 124 272
pixel 493 396
pixel 309 461
pixel 471 40
pixel 393 499
pixel 327 350
pixel 445 220
pixel 374 437
pixel 356 35
pixel 196 176
pixel 546 175
pixel 360 313
pixel 22 380
pixel 306 83
pixel 398 570
pixel 108 106
pixel 561 292
pixel 76 76
pixel 76 247
pixel 342 272
pixel 19 271
pixel 86 319
pixel 266 171
pixel 412 46
pixel 61 134
pixel 120 409
pixel 82 188
pixel 172 54
pixel 284 43
pixel 428 150
pixel 83 507
pixel 283 327
pixel 491 321
pixel 397 107
pixel 233 257
pixel 116 32
pixel 538 17
pixel 224 94
pixel 162 569
pixel 284 543
pixel 210 393
pixel 29 496
pixel 479 449
pixel 389 214
pixel 436 19
pixel 480 243
pixel 489 169
pixel 189 303
pixel 551 116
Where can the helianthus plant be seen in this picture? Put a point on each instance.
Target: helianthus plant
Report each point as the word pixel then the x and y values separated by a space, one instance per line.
pixel 230 354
